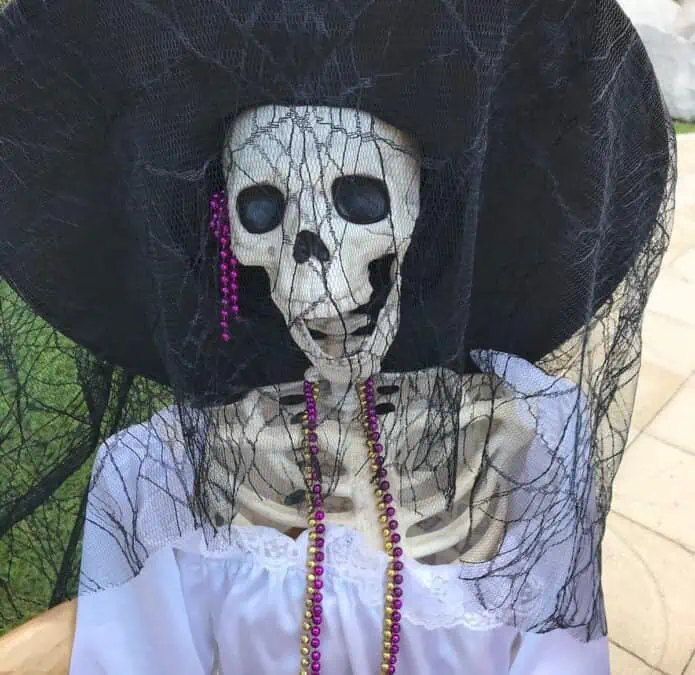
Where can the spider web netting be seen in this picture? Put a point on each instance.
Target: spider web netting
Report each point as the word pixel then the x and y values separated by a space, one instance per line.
pixel 467 200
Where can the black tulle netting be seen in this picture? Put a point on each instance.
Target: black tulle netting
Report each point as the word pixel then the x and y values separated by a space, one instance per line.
pixel 526 147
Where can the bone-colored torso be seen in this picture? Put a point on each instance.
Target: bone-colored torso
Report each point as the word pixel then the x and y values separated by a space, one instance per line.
pixel 262 433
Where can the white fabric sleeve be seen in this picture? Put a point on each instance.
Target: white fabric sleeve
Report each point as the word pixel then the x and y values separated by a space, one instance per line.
pixel 558 653
pixel 142 610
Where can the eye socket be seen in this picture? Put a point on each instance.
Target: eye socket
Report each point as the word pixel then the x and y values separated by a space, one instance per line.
pixel 361 199
pixel 260 208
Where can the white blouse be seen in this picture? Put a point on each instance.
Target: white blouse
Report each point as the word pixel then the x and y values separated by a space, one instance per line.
pixel 159 596
pixel 190 611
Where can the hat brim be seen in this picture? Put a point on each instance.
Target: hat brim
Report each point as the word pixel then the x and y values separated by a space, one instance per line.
pixel 113 117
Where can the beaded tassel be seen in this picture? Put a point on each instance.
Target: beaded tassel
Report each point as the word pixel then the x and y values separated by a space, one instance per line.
pixel 228 268
pixel 393 601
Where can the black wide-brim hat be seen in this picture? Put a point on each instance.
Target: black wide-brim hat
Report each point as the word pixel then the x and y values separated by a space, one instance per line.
pixel 546 153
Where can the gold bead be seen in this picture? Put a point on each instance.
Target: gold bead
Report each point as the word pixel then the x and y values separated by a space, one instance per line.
pixel 308 603
pixel 389 546
pixel 389 598
pixel 313 535
pixel 371 444
pixel 307 626
pixel 392 573
pixel 389 610
pixel 390 586
pixel 386 532
pixel 303 672
pixel 374 468
pixel 312 549
pixel 386 655
pixel 388 634
pixel 305 651
pixel 305 661
pixel 311 564
pixel 388 621
pixel 305 639
pixel 311 578
pixel 383 518
pixel 384 667
pixel 379 493
pixel 308 614
pixel 381 506
pixel 312 522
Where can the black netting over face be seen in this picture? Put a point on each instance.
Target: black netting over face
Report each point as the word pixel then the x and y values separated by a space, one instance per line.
pixel 206 204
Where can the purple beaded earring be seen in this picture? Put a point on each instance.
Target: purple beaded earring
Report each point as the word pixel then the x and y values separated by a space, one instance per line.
pixel 229 274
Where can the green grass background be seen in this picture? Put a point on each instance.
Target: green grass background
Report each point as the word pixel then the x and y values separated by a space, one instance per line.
pixel 39 374
pixel 685 128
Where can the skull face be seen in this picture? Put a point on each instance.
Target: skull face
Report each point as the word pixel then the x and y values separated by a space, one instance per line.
pixel 318 197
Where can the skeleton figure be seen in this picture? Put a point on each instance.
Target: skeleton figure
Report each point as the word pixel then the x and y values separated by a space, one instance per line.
pixel 318 197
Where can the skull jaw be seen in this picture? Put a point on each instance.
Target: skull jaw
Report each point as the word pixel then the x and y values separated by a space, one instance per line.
pixel 362 358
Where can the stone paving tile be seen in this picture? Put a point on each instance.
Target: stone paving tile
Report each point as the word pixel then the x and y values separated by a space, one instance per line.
pixel 675 423
pixel 649 566
pixel 668 344
pixel 650 595
pixel 654 487
pixel 624 663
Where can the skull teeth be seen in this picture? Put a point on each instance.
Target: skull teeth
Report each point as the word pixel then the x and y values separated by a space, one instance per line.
pixel 337 327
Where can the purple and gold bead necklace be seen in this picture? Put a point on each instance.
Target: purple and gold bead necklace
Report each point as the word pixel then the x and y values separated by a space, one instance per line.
pixel 393 601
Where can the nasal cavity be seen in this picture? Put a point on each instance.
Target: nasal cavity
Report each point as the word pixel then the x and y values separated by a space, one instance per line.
pixel 309 245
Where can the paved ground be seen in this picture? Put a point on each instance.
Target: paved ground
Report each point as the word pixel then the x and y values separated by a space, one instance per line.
pixel 650 546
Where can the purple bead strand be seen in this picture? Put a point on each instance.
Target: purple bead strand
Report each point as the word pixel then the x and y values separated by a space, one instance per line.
pixel 393 601
pixel 313 614
pixel 228 263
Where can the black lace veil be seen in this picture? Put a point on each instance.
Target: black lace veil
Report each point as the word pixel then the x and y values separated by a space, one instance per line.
pixel 546 173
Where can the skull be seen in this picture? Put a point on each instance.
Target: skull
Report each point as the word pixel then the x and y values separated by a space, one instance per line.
pixel 319 197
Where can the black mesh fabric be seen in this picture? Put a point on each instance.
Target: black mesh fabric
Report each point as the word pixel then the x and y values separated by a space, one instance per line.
pixel 547 167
